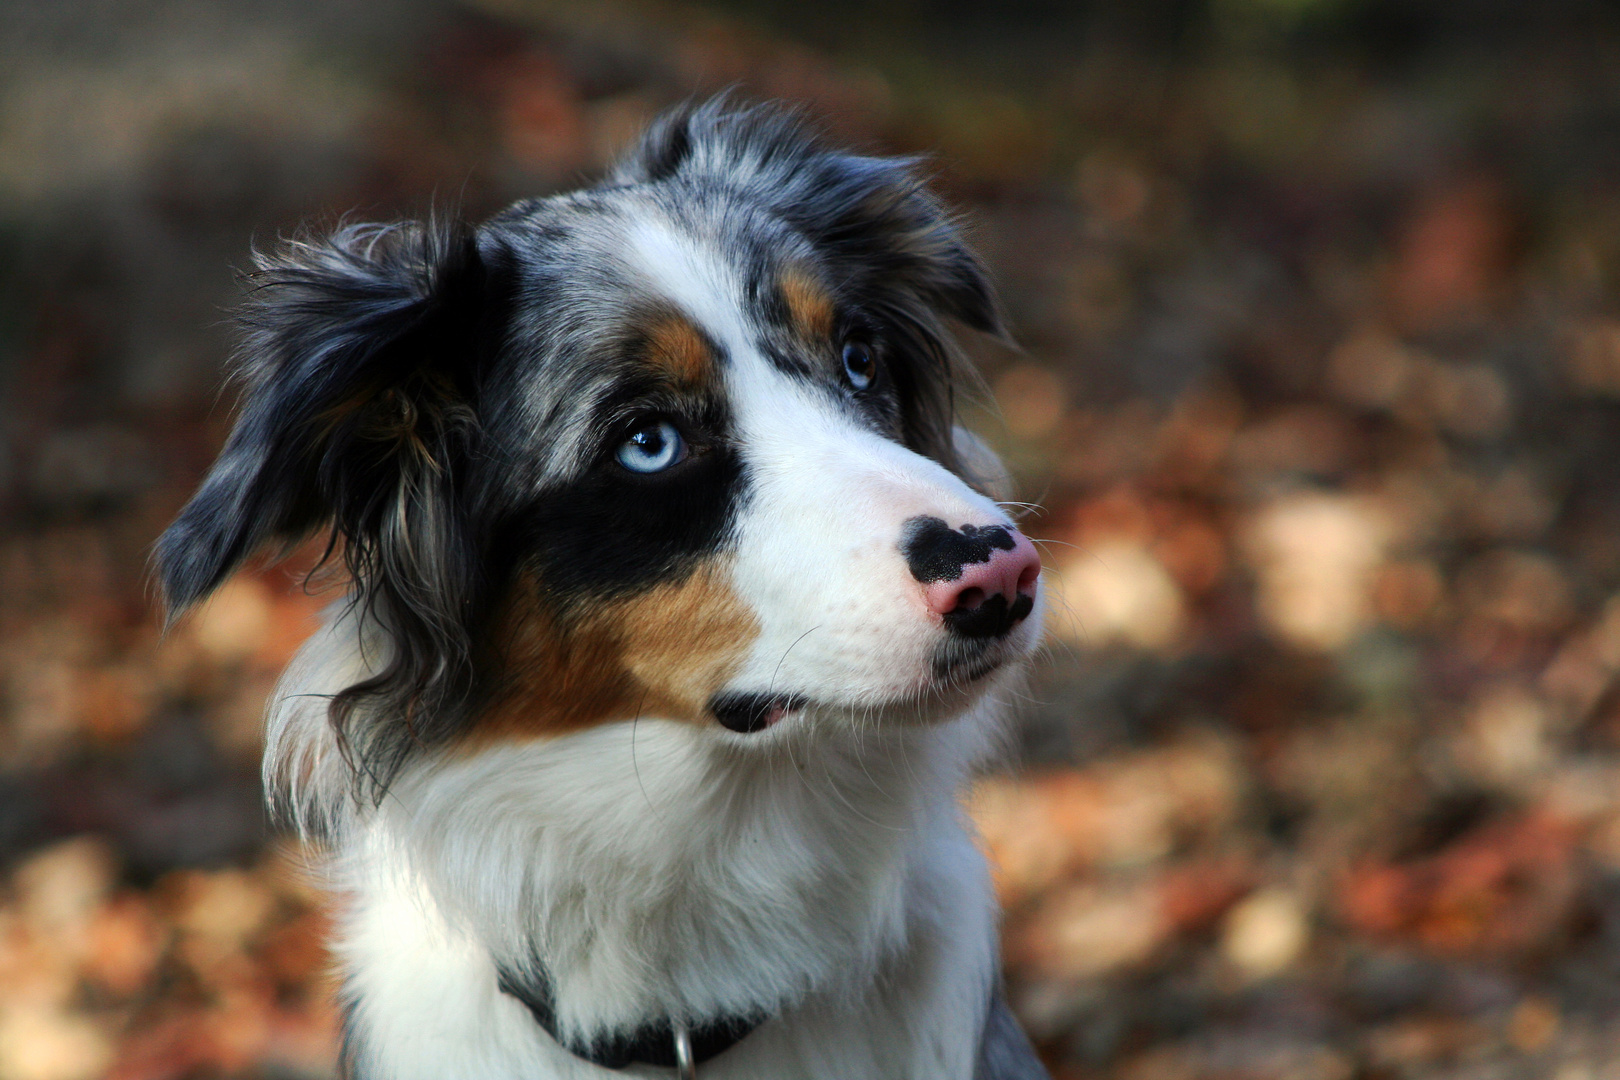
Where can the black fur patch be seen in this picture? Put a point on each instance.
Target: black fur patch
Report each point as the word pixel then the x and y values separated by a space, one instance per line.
pixel 613 532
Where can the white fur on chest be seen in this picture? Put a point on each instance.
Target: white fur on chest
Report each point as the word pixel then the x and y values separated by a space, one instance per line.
pixel 829 881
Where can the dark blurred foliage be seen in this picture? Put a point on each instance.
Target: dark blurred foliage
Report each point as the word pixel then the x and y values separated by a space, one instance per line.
pixel 1317 407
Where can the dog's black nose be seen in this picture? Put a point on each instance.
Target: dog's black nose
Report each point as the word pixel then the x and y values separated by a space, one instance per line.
pixel 980 579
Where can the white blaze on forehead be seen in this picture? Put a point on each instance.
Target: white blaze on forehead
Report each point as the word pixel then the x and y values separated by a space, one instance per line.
pixel 776 414
pixel 694 277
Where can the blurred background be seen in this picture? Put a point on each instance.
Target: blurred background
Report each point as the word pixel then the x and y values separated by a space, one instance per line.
pixel 1318 409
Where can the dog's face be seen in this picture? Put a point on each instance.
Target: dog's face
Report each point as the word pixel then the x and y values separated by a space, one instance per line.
pixel 679 446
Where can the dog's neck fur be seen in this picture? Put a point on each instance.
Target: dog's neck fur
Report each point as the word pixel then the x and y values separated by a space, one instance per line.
pixel 824 878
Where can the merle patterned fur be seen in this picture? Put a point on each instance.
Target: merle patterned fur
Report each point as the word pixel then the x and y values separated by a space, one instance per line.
pixel 443 397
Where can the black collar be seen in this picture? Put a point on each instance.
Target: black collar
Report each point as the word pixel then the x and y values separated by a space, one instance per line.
pixel 649 1044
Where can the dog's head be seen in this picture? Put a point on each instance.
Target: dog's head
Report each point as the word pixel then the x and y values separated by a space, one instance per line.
pixel 678 446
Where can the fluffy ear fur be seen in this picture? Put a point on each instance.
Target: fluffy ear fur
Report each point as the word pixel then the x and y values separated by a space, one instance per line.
pixel 361 371
pixel 872 219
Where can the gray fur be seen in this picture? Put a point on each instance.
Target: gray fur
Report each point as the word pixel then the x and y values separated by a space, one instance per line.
pixel 1005 1052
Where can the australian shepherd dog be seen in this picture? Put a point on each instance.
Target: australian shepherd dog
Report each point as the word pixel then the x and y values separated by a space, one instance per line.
pixel 679 612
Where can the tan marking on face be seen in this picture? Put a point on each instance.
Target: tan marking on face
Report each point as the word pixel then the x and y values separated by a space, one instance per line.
pixel 808 303
pixel 662 653
pixel 551 680
pixel 685 640
pixel 680 350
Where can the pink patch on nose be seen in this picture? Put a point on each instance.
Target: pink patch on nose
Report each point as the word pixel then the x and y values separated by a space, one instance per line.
pixel 1008 573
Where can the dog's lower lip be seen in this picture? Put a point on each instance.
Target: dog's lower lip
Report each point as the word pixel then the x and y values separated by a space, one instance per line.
pixel 747 713
pixel 976 670
pixel 975 665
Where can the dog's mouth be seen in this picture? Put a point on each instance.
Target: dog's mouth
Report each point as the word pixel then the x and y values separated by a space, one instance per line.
pixel 749 713
pixel 956 668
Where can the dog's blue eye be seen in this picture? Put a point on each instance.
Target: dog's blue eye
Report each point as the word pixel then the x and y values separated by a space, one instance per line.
pixel 652 448
pixel 859 367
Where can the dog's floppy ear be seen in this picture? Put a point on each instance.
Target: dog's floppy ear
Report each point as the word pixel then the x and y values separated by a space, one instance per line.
pixel 896 248
pixel 877 217
pixel 353 396
pixel 360 366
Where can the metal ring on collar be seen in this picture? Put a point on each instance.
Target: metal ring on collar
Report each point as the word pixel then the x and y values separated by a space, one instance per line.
pixel 685 1069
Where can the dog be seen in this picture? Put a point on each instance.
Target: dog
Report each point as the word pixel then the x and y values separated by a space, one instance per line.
pixel 679 613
